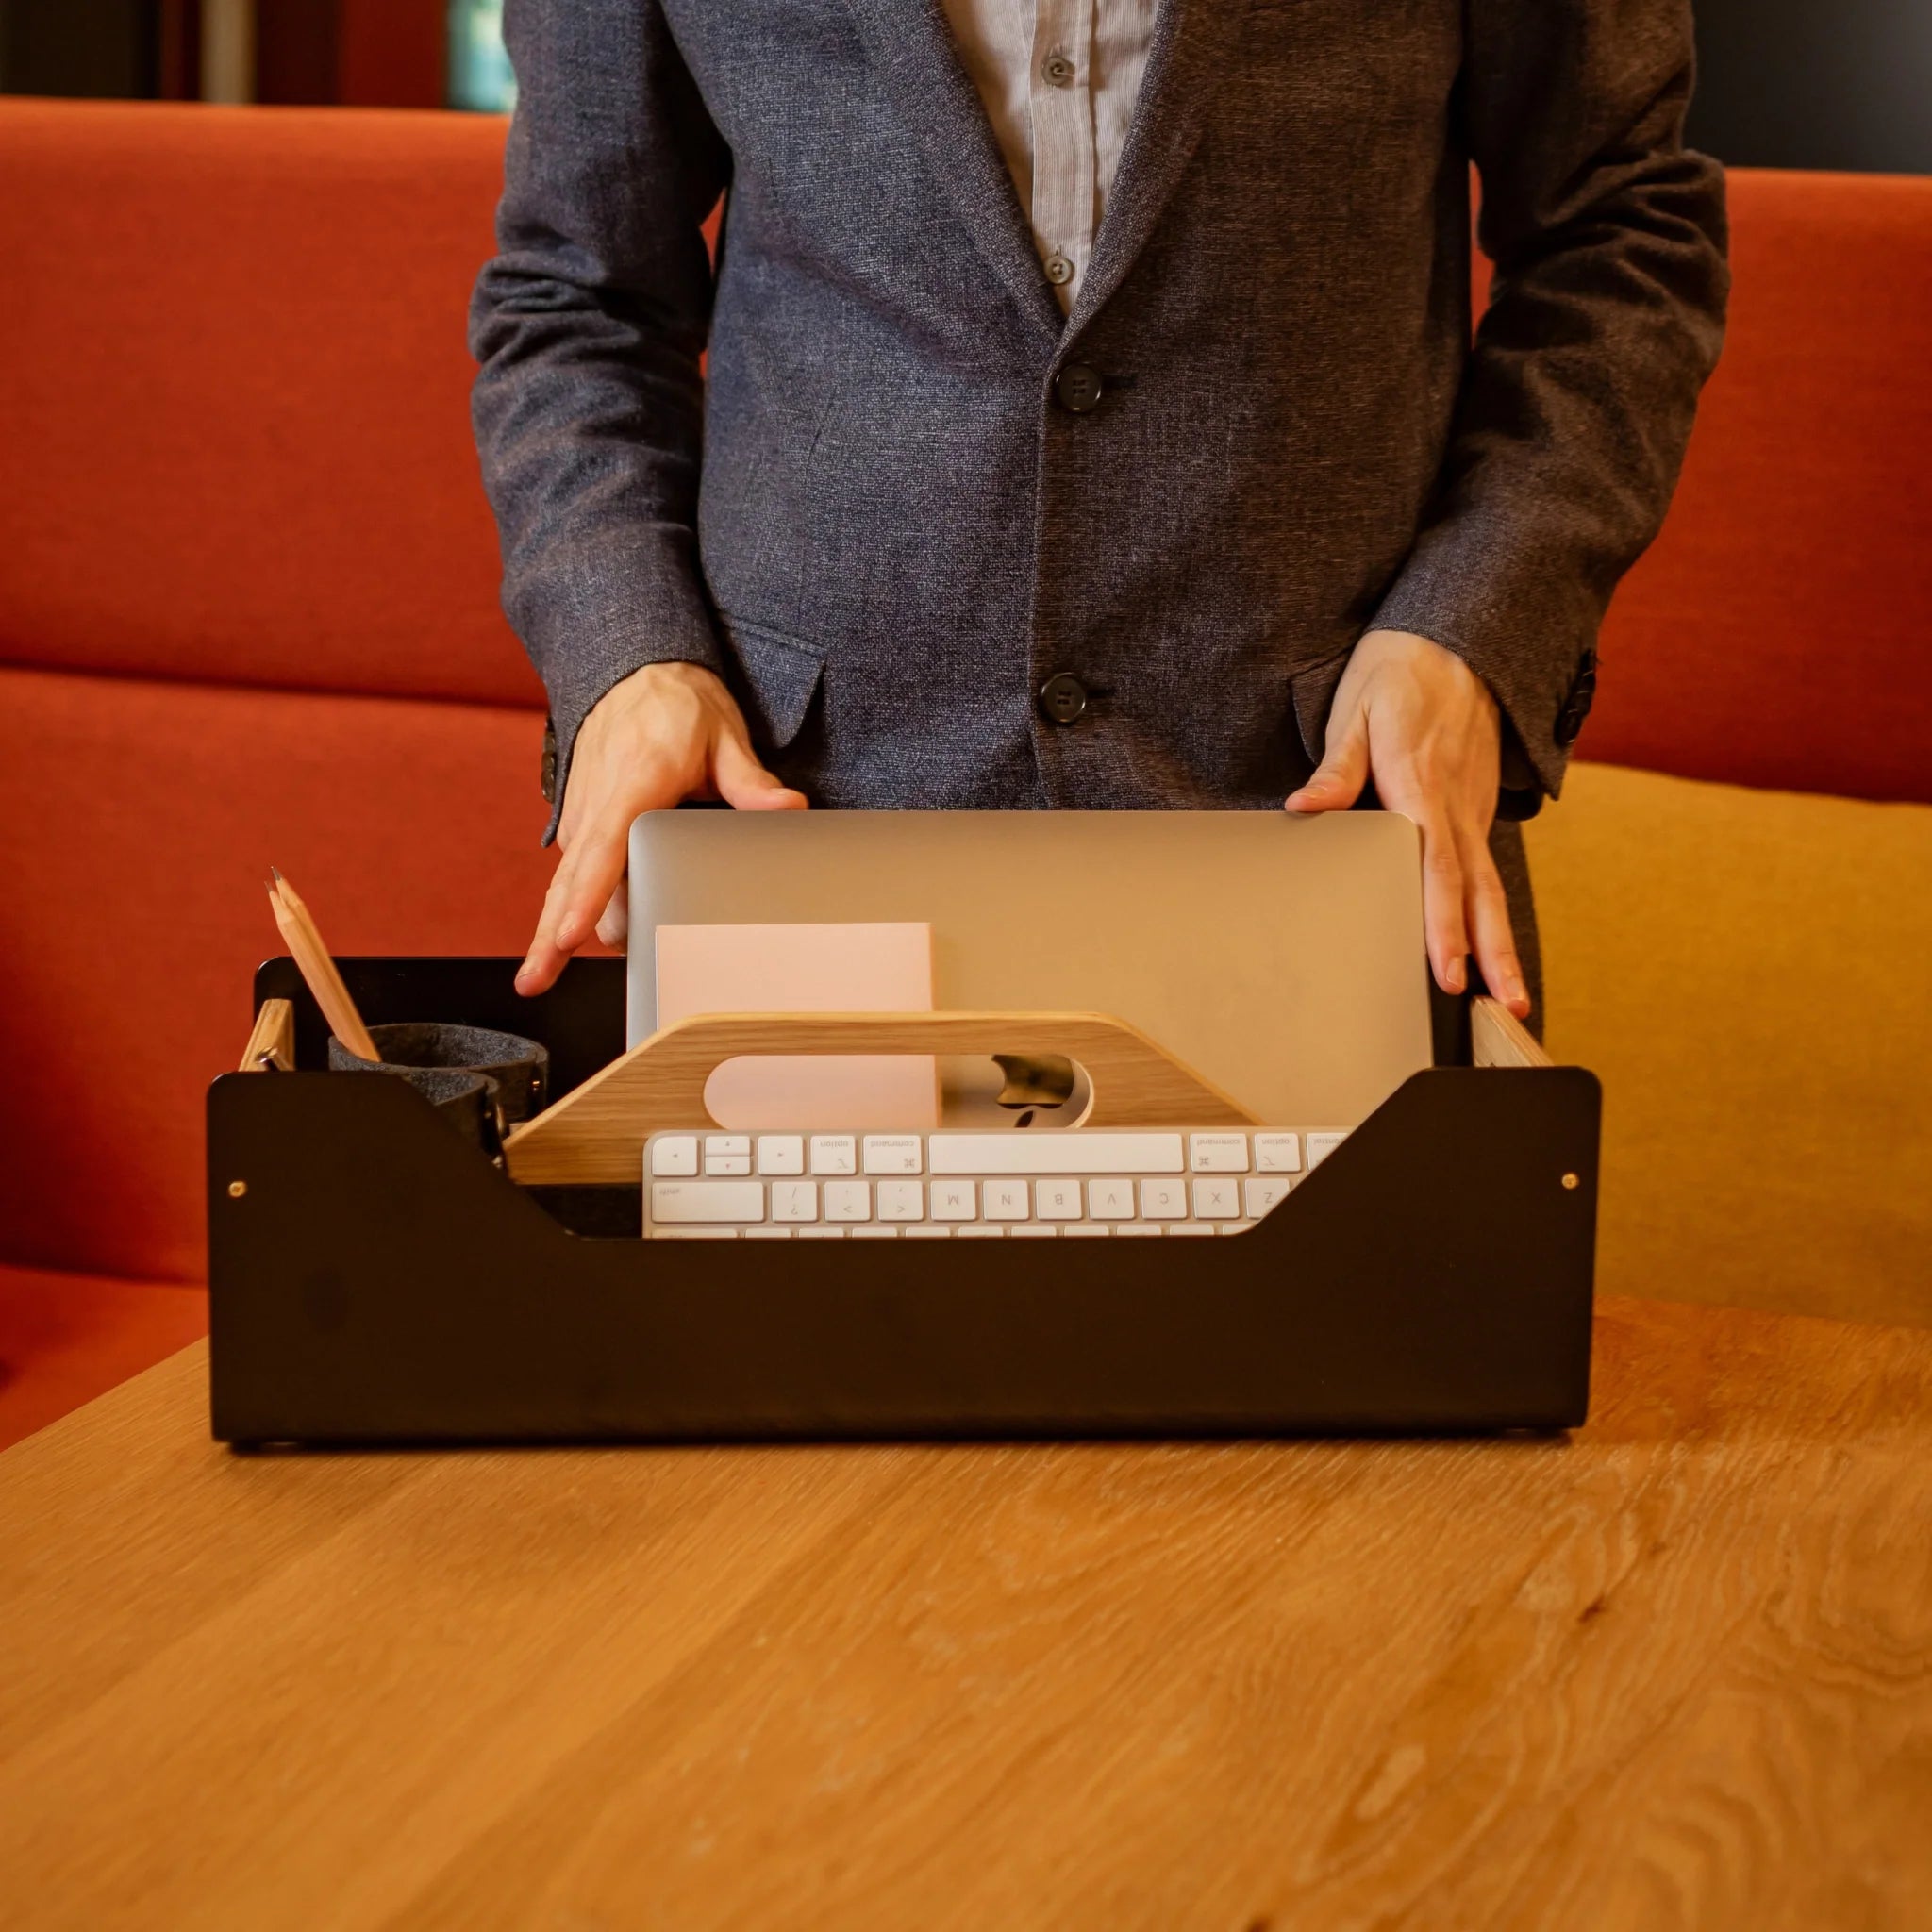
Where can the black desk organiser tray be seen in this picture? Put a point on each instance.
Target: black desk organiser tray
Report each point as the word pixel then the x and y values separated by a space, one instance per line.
pixel 375 1280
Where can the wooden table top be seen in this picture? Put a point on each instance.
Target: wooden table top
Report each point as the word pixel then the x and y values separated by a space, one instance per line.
pixel 1674 1672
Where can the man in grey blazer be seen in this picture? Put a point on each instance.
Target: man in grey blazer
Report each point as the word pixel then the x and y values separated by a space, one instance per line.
pixel 1207 502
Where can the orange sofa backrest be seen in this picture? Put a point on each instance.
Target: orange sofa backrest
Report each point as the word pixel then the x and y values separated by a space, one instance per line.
pixel 234 387
pixel 1779 632
pixel 232 375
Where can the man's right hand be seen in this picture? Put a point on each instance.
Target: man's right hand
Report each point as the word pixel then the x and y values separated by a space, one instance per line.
pixel 664 734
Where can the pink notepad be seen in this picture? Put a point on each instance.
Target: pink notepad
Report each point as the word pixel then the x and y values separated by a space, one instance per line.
pixel 884 968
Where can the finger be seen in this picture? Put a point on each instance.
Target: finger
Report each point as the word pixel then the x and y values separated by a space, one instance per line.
pixel 613 927
pixel 1338 781
pixel 598 869
pixel 744 784
pixel 1444 926
pixel 1487 912
pixel 544 960
pixel 589 875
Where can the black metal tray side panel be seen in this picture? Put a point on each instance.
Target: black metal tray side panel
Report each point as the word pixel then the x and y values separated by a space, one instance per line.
pixel 377 1281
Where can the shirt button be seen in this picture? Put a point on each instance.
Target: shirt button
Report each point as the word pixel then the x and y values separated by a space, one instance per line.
pixel 1057 70
pixel 1058 269
pixel 1063 697
pixel 1078 387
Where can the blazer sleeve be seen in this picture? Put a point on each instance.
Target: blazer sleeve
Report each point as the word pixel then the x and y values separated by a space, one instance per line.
pixel 1605 316
pixel 588 326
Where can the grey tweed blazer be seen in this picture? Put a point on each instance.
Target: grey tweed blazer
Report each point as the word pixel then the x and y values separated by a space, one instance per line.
pixel 912 492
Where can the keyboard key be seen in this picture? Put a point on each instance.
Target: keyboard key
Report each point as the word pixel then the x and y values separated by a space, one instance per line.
pixel 1031 1228
pixel 1277 1154
pixel 848 1200
pixel 678 1201
pixel 1218 1153
pixel 892 1154
pixel 698 1234
pixel 1321 1145
pixel 1110 1200
pixel 821 1233
pixel 979 1231
pixel 794 1200
pixel 727 1153
pixel 1216 1200
pixel 1138 1227
pixel 674 1154
pixel 1057 1200
pixel 1007 1200
pixel 901 1200
pixel 1191 1228
pixel 1233 1226
pixel 923 1232
pixel 769 1234
pixel 1087 1151
pixel 1163 1200
pixel 781 1153
pixel 1263 1192
pixel 834 1154
pixel 955 1200
pixel 874 1234
pixel 1084 1227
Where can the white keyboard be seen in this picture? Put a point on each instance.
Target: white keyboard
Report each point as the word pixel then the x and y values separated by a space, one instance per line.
pixel 945 1184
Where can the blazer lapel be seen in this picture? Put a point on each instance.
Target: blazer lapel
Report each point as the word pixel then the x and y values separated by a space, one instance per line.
pixel 910 44
pixel 1182 60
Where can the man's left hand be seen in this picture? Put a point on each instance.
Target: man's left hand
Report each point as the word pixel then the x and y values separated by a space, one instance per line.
pixel 1419 721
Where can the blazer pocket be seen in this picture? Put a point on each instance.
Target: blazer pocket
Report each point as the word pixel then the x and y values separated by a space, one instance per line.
pixel 777 676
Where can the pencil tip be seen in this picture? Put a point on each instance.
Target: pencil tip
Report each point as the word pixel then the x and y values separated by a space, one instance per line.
pixel 277 873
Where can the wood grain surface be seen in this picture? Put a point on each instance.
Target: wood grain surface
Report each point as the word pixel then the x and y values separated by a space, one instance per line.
pixel 1498 1038
pixel 273 1037
pixel 1673 1671
pixel 597 1132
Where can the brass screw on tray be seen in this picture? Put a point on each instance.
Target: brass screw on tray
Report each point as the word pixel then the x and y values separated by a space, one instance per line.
pixel 1569 1180
pixel 237 1189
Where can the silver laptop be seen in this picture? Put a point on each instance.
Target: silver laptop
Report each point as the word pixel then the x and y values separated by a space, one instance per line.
pixel 1283 958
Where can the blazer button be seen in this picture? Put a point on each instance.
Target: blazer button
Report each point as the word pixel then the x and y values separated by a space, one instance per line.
pixel 1062 698
pixel 1576 706
pixel 1077 387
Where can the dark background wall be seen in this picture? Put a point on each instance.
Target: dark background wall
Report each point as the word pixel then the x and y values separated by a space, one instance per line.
pixel 362 53
pixel 106 48
pixel 1816 84
pixel 1785 83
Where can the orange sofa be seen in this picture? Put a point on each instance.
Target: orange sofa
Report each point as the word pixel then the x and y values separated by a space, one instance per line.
pixel 248 616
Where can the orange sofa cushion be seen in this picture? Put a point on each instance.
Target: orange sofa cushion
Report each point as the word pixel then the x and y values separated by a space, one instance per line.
pixel 236 396
pixel 146 817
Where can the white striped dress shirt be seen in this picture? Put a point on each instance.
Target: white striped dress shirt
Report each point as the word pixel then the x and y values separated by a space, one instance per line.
pixel 1059 79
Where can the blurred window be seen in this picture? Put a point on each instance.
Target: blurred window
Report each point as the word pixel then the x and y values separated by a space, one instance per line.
pixel 479 73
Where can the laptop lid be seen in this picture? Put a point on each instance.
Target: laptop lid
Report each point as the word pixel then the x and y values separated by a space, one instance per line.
pixel 1281 957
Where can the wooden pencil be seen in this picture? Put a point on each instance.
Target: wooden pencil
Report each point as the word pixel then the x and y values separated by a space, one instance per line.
pixel 313 961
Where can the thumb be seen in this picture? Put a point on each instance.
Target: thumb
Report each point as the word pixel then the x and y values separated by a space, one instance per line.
pixel 1339 779
pixel 744 784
